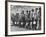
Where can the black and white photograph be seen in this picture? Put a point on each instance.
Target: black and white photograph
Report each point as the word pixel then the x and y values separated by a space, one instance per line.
pixel 25 18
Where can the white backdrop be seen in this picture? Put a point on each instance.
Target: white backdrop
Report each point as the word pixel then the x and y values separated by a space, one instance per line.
pixel 2 19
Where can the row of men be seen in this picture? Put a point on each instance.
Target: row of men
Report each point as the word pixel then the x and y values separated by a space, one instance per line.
pixel 30 24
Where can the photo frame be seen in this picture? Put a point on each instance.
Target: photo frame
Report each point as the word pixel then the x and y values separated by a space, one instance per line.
pixel 24 18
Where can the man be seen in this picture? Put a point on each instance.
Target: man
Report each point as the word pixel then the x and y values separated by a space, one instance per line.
pixel 34 19
pixel 22 19
pixel 27 18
